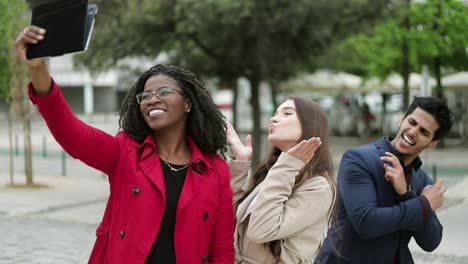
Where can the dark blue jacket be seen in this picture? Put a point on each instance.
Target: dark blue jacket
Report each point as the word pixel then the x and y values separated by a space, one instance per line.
pixel 371 225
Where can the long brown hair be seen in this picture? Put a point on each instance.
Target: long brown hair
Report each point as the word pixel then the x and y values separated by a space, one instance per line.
pixel 314 123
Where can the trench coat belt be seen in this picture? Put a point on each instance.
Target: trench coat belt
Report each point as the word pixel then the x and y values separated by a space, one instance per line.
pixel 245 260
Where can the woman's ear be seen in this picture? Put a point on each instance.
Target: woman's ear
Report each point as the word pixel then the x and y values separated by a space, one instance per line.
pixel 188 106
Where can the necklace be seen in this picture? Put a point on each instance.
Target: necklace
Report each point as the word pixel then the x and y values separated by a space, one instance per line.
pixel 174 169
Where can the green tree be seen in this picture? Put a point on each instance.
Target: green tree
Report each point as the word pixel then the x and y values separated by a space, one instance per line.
pixel 259 40
pixel 440 32
pixel 430 33
pixel 13 78
pixel 5 50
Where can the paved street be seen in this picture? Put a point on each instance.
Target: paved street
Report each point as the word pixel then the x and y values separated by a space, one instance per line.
pixel 44 241
pixel 55 222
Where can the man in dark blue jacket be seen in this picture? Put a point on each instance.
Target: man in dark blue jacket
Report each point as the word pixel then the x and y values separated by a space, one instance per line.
pixel 384 197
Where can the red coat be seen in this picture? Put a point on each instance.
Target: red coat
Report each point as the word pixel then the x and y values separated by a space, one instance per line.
pixel 205 216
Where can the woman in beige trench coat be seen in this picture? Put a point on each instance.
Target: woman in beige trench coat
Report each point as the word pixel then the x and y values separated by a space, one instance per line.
pixel 283 207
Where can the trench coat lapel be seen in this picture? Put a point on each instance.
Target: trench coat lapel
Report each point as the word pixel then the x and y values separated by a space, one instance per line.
pixel 151 166
pixel 196 171
pixel 242 214
pixel 190 189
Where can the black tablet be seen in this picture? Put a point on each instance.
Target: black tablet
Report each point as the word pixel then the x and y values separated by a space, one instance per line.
pixel 68 24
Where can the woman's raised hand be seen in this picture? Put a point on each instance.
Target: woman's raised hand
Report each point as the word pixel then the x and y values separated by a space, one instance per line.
pixel 240 151
pixel 305 149
pixel 37 67
pixel 29 35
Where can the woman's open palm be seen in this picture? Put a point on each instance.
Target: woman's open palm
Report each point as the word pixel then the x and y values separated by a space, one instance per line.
pixel 305 149
pixel 239 150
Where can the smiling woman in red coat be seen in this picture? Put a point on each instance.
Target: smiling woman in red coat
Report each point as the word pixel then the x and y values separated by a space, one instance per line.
pixel 170 197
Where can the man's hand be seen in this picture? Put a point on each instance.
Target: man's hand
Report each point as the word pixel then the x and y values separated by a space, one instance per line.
pixel 435 194
pixel 394 173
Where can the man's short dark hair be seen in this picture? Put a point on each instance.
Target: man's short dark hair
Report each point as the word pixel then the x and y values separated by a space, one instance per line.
pixel 438 109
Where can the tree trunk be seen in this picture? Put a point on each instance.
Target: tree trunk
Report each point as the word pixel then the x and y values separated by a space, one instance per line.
pixel 437 60
pixel 437 65
pixel 465 122
pixel 10 143
pixel 21 104
pixel 439 89
pixel 383 118
pixel 405 67
pixel 256 113
pixel 274 94
pixel 405 73
pixel 27 147
pixel 235 96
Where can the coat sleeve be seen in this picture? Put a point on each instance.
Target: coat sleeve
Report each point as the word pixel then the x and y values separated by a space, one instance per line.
pixel 359 196
pixel 222 246
pixel 279 211
pixel 239 177
pixel 429 235
pixel 81 141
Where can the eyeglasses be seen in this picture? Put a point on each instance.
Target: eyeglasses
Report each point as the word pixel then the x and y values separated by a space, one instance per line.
pixel 162 93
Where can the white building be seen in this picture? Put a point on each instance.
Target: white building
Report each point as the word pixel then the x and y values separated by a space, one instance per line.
pixel 84 92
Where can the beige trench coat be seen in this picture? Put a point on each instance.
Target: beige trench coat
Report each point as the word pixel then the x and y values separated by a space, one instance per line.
pixel 273 211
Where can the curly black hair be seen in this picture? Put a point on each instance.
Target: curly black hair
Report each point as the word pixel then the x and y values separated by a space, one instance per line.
pixel 205 123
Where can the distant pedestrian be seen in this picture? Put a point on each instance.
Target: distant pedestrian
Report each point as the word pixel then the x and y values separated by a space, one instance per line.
pixel 384 197
pixel 367 117
pixel 170 196
pixel 284 206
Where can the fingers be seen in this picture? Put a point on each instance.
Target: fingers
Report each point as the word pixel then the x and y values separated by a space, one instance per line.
pixel 394 170
pixel 229 128
pixel 387 168
pixel 33 34
pixel 391 158
pixel 435 194
pixel 440 186
pixel 248 141
pixel 232 137
pixel 439 183
pixel 443 189
pixel 316 143
pixel 308 146
pixel 239 150
pixel 29 35
pixel 305 149
pixel 390 173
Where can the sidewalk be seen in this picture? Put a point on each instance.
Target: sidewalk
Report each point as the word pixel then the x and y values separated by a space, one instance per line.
pixel 57 197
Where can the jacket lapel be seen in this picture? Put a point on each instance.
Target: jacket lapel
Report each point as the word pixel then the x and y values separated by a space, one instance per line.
pixel 190 189
pixel 151 166
pixel 242 213
pixel 197 170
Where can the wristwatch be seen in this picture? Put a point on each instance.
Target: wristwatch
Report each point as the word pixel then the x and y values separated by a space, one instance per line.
pixel 409 194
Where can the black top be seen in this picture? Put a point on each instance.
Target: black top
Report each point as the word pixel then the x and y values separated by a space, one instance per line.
pixel 163 251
